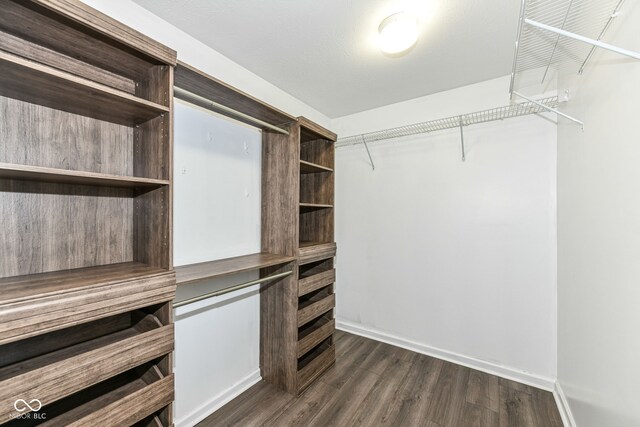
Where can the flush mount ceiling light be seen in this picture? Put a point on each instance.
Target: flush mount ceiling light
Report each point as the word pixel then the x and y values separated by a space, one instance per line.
pixel 398 32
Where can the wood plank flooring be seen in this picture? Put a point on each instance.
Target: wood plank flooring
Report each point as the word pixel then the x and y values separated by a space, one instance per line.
pixel 376 384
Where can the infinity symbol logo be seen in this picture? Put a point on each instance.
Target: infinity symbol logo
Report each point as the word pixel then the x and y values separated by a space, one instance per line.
pixel 21 405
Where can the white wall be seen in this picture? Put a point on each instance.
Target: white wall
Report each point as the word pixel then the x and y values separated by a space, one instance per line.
pixel 599 236
pixel 216 215
pixel 454 259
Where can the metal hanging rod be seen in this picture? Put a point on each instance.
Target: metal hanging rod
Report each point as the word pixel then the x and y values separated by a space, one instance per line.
pixel 230 289
pixel 190 97
pixel 555 34
pixel 493 114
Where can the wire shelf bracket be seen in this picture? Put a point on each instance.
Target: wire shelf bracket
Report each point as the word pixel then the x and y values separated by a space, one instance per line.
pixel 531 106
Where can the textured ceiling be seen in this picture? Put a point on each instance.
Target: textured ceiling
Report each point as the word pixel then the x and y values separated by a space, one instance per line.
pixel 323 51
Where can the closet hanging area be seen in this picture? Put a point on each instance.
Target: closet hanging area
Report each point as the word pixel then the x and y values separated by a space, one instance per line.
pixel 295 263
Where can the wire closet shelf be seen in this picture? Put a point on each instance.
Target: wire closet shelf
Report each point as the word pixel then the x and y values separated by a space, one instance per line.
pixel 559 35
pixel 484 116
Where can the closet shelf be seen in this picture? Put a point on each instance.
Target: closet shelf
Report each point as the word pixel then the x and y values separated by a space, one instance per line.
pixel 214 269
pixel 38 303
pixel 43 85
pixel 308 167
pixel 123 400
pixel 453 122
pixel 314 333
pixel 70 369
pixel 314 363
pixel 558 35
pixel 64 176
pixel 314 206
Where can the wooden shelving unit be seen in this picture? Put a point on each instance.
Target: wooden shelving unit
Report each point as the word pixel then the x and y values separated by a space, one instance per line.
pixel 86 274
pixel 300 350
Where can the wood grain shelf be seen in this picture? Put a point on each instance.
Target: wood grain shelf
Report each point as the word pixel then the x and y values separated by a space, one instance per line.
pixel 314 363
pixel 64 176
pixel 308 167
pixel 310 251
pixel 225 267
pixel 47 86
pixel 313 333
pixel 58 374
pixel 314 305
pixel 121 400
pixel 39 303
pixel 314 206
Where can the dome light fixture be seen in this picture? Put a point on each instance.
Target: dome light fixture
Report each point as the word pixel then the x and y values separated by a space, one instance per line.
pixel 398 32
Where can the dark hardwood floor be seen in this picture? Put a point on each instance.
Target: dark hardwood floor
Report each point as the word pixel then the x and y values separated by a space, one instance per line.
pixel 376 384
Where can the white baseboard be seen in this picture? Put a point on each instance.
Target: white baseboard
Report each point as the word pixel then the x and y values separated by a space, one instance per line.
pixel 563 406
pixel 215 403
pixel 507 372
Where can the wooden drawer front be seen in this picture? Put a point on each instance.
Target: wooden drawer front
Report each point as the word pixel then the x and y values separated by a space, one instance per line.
pixel 316 337
pixel 123 406
pixel 24 319
pixel 316 252
pixel 58 374
pixel 316 309
pixel 316 367
pixel 317 281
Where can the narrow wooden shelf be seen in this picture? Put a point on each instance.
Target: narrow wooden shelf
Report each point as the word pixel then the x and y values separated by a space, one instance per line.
pixel 38 303
pixel 308 167
pixel 313 206
pixel 43 85
pixel 225 267
pixel 313 333
pixel 43 174
pixel 123 400
pixel 314 363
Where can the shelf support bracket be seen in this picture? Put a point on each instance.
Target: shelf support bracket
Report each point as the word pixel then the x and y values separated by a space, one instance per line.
pixel 551 110
pixel 596 43
pixel 364 141
pixel 462 138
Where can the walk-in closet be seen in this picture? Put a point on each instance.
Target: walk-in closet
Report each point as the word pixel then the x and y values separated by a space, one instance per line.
pixel 319 213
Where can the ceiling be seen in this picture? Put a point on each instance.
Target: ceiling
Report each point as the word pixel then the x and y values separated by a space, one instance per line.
pixel 323 52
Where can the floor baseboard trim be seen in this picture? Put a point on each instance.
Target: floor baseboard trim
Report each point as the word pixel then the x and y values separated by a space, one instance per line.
pixel 538 381
pixel 563 406
pixel 215 403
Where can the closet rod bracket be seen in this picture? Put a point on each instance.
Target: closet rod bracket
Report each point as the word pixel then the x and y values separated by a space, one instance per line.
pixel 462 138
pixel 364 141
